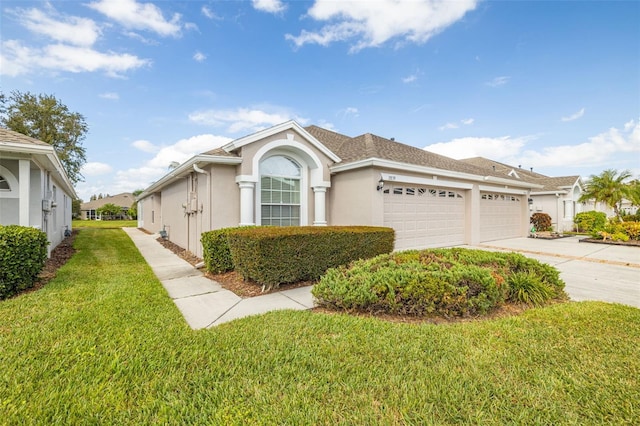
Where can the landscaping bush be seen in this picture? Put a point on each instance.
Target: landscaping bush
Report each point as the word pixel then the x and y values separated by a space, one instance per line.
pixel 620 231
pixel 446 282
pixel 272 256
pixel 591 221
pixel 23 252
pixel 215 250
pixel 541 221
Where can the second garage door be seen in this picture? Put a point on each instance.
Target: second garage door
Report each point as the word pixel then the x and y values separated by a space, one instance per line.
pixel 500 216
pixel 424 216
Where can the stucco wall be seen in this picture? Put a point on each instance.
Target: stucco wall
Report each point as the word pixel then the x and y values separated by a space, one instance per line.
pixel 353 199
pixel 225 198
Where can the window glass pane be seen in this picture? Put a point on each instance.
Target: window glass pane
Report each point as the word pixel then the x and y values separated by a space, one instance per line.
pixel 280 166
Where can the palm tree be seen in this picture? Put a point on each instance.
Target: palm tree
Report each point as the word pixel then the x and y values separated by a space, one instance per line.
pixel 608 187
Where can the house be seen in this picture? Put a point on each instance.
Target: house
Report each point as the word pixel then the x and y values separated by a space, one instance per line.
pixel 34 188
pixel 89 210
pixel 294 175
pixel 558 196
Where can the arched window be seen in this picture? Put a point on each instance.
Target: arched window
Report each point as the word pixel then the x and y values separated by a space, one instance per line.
pixel 280 191
pixel 4 184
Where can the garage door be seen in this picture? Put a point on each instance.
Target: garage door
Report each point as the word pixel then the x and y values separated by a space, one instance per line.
pixel 424 216
pixel 500 216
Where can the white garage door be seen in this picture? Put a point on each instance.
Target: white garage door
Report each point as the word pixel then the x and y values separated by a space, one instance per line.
pixel 500 216
pixel 424 216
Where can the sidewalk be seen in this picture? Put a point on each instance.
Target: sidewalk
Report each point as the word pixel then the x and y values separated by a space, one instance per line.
pixel 601 272
pixel 203 302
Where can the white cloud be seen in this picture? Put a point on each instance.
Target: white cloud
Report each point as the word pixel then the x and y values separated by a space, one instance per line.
pixel 199 56
pixel 269 6
pixel 244 119
pixel 139 16
pixel 145 146
pixel 73 30
pixel 206 11
pixel 94 168
pixel 18 59
pixel 498 81
pixel 599 150
pixel 411 78
pixel 448 126
pixel 465 122
pixel 608 149
pixel 495 148
pixel 349 112
pixel 110 95
pixel 371 24
pixel 573 116
pixel 152 170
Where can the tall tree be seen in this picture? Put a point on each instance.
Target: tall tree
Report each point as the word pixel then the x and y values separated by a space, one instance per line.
pixel 608 187
pixel 45 118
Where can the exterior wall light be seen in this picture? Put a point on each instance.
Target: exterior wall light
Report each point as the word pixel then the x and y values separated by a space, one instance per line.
pixel 380 184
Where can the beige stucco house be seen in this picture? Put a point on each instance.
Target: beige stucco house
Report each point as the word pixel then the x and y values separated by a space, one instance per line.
pixel 89 210
pixel 290 175
pixel 34 188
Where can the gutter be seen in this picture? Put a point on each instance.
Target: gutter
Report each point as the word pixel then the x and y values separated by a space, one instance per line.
pixel 184 169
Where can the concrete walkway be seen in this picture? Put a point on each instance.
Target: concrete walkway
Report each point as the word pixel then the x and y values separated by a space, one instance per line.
pixel 591 272
pixel 203 302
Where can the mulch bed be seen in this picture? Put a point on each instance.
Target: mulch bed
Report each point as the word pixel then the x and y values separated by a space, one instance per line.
pixel 231 281
pixel 630 243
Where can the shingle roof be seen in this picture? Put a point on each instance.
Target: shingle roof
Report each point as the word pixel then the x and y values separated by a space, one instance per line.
pixel 549 183
pixel 123 200
pixel 7 135
pixel 372 146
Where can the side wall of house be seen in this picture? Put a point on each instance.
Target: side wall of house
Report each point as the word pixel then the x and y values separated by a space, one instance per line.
pixel 9 201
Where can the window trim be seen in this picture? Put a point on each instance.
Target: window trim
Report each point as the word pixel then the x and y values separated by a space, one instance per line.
pixel 302 220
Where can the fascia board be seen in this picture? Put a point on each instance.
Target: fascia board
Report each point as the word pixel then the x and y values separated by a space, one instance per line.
pixel 46 157
pixel 424 181
pixel 185 168
pixel 487 188
pixel 377 162
pixel 549 192
pixel 289 125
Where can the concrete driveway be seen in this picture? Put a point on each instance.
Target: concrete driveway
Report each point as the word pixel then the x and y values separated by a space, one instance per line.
pixel 591 271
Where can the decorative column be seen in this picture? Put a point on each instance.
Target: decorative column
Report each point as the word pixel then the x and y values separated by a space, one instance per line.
pixel 24 183
pixel 319 217
pixel 246 203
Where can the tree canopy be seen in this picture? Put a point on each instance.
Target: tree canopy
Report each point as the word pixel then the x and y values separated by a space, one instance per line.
pixel 609 187
pixel 45 118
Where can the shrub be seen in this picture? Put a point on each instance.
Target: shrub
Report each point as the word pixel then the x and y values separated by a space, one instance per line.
pixel 215 250
pixel 23 252
pixel 448 282
pixel 275 255
pixel 631 229
pixel 591 221
pixel 541 221
pixel 527 288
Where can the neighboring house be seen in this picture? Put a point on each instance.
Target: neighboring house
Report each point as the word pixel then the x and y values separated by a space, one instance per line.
pixel 89 210
pixel 290 175
pixel 558 196
pixel 34 188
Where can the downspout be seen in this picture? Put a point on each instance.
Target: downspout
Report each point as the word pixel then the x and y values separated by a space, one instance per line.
pixel 208 193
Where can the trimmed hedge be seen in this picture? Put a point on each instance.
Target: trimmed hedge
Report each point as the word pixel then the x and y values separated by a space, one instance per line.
pixel 215 250
pixel 591 221
pixel 272 256
pixel 446 282
pixel 23 252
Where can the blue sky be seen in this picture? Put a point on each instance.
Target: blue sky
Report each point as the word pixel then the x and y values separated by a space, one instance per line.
pixel 553 85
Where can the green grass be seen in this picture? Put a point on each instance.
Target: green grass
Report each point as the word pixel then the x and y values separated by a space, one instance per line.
pixel 103 344
pixel 104 224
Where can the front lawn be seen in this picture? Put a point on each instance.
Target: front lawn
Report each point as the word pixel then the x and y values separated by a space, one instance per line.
pixel 104 224
pixel 103 344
